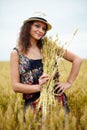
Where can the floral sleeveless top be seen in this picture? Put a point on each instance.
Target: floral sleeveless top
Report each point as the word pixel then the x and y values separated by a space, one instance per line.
pixel 30 71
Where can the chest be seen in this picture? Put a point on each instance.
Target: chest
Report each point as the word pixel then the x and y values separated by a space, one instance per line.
pixel 34 54
pixel 27 65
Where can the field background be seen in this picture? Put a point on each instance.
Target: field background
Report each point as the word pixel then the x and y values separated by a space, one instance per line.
pixel 11 104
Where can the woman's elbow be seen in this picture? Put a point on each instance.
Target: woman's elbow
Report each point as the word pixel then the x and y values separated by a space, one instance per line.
pixel 80 60
pixel 15 87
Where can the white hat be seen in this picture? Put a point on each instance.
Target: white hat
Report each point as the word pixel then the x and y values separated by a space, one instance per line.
pixel 39 16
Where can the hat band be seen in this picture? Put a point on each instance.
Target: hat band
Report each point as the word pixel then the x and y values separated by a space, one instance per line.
pixel 38 18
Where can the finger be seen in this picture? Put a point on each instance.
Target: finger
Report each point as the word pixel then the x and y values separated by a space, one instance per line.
pixel 44 76
pixel 56 88
pixel 60 93
pixel 60 90
pixel 43 81
pixel 46 79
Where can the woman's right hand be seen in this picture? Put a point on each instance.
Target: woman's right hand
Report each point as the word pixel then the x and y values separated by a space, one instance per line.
pixel 43 79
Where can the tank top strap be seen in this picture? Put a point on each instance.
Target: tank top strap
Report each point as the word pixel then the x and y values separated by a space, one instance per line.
pixel 16 50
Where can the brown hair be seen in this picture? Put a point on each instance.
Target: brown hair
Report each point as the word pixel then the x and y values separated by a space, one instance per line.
pixel 24 37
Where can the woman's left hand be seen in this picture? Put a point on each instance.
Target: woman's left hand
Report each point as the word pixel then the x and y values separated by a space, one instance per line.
pixel 61 87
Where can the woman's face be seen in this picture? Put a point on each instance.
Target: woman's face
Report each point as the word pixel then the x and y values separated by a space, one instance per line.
pixel 38 30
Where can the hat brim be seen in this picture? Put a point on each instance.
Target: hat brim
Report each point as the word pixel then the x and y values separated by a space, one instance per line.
pixel 49 26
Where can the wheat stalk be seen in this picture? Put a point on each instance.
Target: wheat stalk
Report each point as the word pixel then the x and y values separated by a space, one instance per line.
pixel 51 53
pixel 50 50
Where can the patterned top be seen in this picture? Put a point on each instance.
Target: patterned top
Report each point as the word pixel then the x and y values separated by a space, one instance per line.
pixel 30 71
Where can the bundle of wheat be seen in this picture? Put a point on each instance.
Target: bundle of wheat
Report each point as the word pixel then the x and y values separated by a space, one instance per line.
pixel 51 54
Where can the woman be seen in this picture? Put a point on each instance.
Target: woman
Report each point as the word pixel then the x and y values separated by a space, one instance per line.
pixel 26 61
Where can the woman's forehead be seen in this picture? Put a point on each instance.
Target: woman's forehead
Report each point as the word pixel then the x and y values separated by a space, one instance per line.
pixel 40 22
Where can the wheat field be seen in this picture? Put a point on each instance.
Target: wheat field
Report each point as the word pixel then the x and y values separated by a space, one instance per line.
pixel 11 104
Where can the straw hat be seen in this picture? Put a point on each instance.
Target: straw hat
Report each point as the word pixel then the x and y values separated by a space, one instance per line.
pixel 39 16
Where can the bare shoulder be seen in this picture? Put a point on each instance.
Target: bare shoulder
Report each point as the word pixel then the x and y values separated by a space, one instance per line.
pixel 14 55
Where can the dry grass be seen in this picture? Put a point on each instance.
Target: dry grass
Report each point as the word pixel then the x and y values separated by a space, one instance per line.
pixel 11 104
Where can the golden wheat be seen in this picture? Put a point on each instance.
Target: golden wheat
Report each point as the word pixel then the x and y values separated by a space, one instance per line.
pixel 11 104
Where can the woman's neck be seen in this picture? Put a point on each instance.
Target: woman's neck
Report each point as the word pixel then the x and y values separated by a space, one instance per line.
pixel 33 42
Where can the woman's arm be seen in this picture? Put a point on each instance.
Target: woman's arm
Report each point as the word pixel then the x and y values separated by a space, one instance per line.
pixel 76 63
pixel 15 77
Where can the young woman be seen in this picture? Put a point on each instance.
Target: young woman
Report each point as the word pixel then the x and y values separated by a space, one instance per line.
pixel 26 61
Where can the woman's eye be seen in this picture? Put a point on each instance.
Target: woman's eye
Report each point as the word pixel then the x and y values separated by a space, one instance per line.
pixel 39 26
pixel 36 25
pixel 44 29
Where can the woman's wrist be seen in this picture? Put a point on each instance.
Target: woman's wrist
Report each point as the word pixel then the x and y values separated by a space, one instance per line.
pixel 37 88
pixel 69 83
pixel 40 87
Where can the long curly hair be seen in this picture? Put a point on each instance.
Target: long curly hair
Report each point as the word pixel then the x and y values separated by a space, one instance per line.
pixel 24 38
